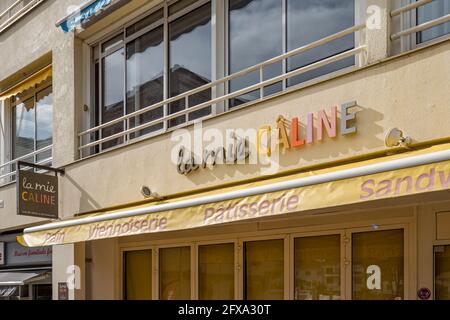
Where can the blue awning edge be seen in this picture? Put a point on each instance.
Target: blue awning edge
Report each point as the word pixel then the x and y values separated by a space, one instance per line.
pixel 76 19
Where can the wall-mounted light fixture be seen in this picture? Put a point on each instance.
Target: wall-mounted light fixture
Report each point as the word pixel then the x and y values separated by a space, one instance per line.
pixel 148 193
pixel 396 138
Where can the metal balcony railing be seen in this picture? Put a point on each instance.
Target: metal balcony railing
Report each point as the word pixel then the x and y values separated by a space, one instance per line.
pixel 417 28
pixel 92 138
pixel 16 11
pixel 8 170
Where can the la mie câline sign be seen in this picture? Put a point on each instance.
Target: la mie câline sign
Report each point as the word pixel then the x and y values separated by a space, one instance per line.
pixel 37 194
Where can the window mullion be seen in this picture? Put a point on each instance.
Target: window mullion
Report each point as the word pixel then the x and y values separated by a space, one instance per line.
pixel 166 64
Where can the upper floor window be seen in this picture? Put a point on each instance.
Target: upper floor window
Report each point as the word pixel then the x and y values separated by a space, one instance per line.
pixel 263 29
pixel 32 122
pixel 177 48
pixel 431 11
pixel 137 69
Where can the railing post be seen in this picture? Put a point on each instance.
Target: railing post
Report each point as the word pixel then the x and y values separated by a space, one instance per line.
pixel 378 30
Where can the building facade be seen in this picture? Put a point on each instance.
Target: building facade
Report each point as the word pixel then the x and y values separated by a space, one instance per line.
pixel 230 149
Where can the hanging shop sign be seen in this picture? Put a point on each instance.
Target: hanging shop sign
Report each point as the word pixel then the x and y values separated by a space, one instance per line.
pixel 37 194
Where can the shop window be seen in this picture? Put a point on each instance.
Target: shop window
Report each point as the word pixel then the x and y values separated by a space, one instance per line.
pixel 378 265
pixel 32 122
pixel 138 275
pixel 264 270
pixel 431 11
pixel 175 273
pixel 442 272
pixel 216 272
pixel 317 268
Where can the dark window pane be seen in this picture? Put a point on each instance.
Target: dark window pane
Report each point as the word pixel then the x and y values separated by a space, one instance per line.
pixel 138 275
pixel 318 268
pixel 255 35
pixel 378 265
pixel 44 122
pixel 190 61
pixel 148 20
pixel 180 5
pixel 24 128
pixel 175 273
pixel 442 272
pixel 113 79
pixel 430 12
pixel 309 21
pixel 264 270
pixel 145 78
pixel 216 272
pixel 108 45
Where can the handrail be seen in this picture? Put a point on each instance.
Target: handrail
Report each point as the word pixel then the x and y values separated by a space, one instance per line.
pixel 17 15
pixel 418 28
pixel 421 27
pixel 8 10
pixel 220 83
pixel 228 78
pixel 235 94
pixel 410 7
pixel 25 157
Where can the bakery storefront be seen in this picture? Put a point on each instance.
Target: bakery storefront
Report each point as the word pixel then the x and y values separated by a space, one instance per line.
pixel 350 231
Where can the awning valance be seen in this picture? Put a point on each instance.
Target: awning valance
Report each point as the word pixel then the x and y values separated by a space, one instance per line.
pixel 8 292
pixel 87 13
pixel 9 279
pixel 409 173
pixel 28 83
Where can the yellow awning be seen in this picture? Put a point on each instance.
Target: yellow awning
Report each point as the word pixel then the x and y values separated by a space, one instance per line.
pixel 400 175
pixel 30 82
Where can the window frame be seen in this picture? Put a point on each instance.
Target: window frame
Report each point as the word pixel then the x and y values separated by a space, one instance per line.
pixel 360 6
pixel 11 117
pixel 219 65
pixel 122 31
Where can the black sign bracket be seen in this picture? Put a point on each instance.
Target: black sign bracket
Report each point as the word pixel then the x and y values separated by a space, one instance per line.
pixel 20 164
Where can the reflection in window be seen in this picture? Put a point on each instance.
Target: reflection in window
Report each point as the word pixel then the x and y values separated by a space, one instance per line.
pixel 175 273
pixel 442 272
pixel 138 275
pixel 113 73
pixel 190 61
pixel 264 270
pixel 317 268
pixel 25 123
pixel 380 256
pixel 33 123
pixel 255 35
pixel 44 122
pixel 216 272
pixel 309 21
pixel 431 11
pixel 145 78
